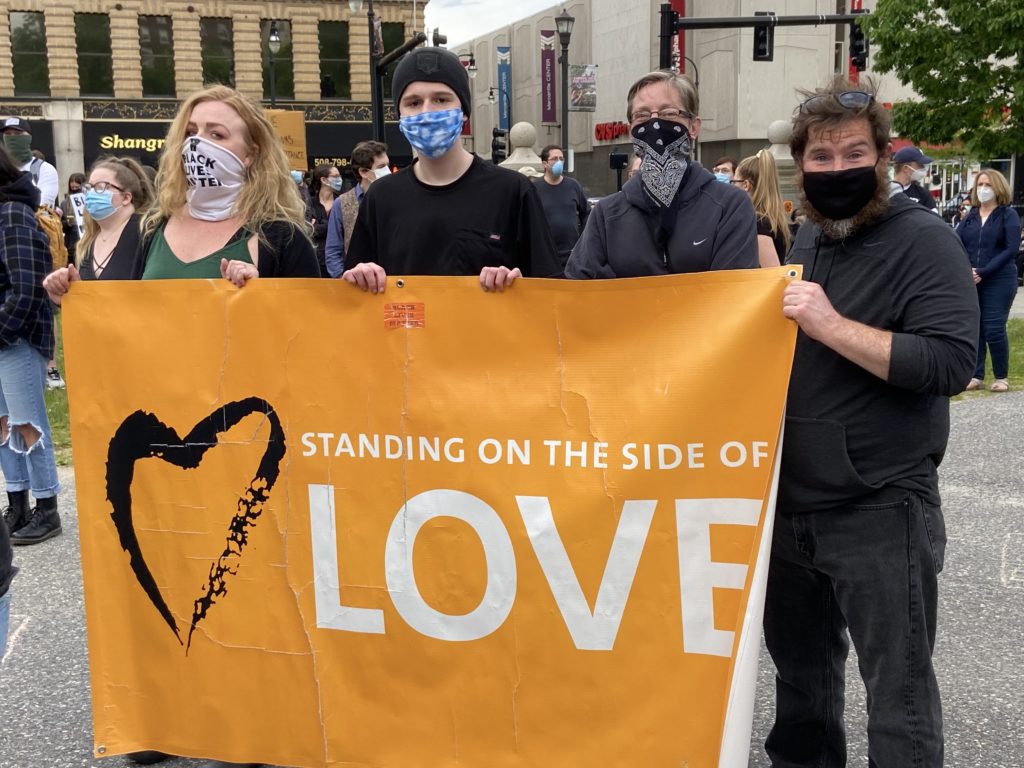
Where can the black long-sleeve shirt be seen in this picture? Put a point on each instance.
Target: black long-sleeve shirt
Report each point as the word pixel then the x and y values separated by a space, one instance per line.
pixel 848 432
pixel 488 217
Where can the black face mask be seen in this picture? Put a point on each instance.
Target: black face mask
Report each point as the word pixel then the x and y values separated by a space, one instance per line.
pixel 839 195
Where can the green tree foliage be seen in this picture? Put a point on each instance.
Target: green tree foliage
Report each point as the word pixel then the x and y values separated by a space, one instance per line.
pixel 964 60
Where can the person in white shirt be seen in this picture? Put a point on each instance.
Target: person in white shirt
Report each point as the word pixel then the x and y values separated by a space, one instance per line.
pixel 17 134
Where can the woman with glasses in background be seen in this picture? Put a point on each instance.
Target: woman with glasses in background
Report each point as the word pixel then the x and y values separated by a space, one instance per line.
pixel 672 216
pixel 117 194
pixel 759 178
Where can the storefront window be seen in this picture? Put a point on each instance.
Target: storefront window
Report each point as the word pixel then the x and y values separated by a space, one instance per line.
pixel 334 66
pixel 156 43
pixel 28 53
pixel 95 63
pixel 218 51
pixel 284 78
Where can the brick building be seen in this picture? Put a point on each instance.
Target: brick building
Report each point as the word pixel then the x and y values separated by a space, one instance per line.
pixel 99 77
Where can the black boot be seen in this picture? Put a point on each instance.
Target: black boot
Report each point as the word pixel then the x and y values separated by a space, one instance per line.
pixel 16 513
pixel 43 523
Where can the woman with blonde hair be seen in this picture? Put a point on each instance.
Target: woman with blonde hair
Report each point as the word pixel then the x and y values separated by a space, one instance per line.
pixel 226 204
pixel 991 234
pixel 759 178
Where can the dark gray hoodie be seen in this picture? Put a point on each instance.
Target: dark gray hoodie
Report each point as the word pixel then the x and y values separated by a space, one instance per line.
pixel 715 228
pixel 849 433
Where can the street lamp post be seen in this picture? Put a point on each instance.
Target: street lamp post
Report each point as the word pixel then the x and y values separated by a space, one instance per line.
pixel 564 22
pixel 273 48
pixel 376 82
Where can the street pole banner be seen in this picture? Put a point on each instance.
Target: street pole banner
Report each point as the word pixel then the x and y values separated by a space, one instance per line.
pixel 583 87
pixel 504 87
pixel 548 105
pixel 514 529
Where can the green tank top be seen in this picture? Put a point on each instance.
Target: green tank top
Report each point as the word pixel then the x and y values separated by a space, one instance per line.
pixel 162 264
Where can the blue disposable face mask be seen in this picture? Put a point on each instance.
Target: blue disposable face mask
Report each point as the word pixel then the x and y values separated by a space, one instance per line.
pixel 557 167
pixel 722 177
pixel 432 134
pixel 334 184
pixel 100 205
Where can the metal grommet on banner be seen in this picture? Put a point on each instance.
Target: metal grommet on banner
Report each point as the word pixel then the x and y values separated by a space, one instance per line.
pixel 791 273
pixel 101 750
pixel 400 283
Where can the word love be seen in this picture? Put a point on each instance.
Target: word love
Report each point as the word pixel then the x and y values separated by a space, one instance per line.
pixel 592 630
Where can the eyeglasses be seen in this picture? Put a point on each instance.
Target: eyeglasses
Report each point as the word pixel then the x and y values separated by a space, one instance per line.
pixel 669 113
pixel 855 100
pixel 100 186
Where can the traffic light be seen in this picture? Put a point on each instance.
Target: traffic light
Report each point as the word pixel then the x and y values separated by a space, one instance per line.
pixel 859 47
pixel 764 39
pixel 499 145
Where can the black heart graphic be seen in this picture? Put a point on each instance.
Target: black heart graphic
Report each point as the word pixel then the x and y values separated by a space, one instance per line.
pixel 142 435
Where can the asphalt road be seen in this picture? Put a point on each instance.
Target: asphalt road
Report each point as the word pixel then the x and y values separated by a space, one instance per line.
pixel 44 686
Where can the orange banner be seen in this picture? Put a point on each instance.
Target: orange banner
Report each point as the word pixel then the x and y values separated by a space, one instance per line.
pixel 432 527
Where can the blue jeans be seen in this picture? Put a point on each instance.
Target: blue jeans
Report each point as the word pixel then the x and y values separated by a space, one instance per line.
pixel 22 383
pixel 995 297
pixel 5 621
pixel 869 568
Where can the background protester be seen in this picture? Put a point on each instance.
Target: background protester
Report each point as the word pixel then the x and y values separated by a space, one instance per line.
pixel 326 187
pixel 116 196
pixel 673 216
pixel 759 178
pixel 724 169
pixel 563 200
pixel 370 161
pixel 26 344
pixel 449 213
pixel 17 133
pixel 911 168
pixel 75 182
pixel 887 322
pixel 991 234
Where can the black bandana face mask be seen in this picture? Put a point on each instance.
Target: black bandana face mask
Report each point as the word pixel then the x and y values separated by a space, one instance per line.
pixel 664 148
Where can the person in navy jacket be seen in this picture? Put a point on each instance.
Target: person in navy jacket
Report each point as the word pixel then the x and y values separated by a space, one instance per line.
pixel 991 234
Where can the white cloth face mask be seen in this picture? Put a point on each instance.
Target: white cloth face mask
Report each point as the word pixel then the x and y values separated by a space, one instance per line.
pixel 215 178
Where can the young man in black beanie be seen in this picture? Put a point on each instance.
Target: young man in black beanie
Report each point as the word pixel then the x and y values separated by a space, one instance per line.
pixel 450 212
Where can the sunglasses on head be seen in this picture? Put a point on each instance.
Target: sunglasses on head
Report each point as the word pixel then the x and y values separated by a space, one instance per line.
pixel 849 99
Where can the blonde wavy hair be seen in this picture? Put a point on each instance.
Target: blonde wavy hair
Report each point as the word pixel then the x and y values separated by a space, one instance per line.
pixel 763 176
pixel 269 194
pixel 132 179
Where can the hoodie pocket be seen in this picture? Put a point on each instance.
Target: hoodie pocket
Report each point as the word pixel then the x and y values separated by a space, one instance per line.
pixel 816 469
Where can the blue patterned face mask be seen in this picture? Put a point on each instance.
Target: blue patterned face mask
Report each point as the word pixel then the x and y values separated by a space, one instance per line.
pixel 432 134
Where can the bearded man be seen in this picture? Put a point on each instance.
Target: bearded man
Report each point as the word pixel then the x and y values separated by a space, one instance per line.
pixel 888 326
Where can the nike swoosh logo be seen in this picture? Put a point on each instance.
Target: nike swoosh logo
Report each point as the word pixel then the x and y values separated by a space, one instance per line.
pixel 698 242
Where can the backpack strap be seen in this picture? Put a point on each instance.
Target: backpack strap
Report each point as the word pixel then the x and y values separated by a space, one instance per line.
pixel 34 169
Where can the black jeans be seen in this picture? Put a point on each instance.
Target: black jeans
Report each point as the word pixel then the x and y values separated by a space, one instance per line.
pixel 870 568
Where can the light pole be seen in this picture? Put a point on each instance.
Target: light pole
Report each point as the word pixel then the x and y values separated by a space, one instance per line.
pixel 492 96
pixel 376 82
pixel 273 48
pixel 564 22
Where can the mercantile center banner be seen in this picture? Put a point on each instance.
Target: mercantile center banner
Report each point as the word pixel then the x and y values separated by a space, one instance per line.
pixel 432 527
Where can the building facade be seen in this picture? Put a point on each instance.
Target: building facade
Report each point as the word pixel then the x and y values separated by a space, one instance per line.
pixel 739 97
pixel 101 78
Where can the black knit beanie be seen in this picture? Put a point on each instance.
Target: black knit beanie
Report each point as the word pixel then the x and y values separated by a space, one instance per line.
pixel 432 65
